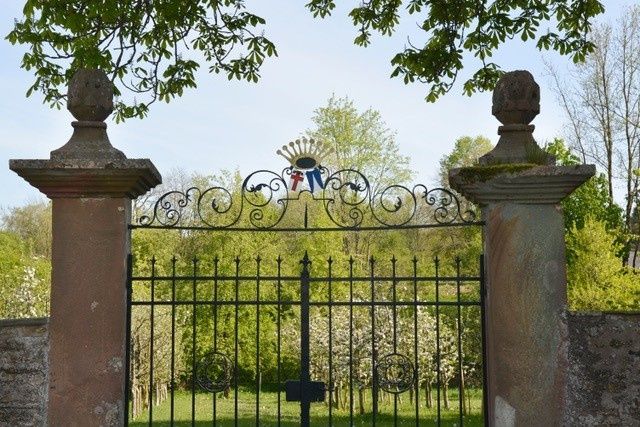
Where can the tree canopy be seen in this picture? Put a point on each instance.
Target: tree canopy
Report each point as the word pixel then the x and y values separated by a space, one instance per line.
pixel 151 50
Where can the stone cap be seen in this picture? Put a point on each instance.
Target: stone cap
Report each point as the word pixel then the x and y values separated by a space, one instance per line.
pixel 88 165
pixel 519 183
pixel 88 178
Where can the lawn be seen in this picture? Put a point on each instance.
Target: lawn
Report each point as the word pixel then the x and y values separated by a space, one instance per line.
pixel 290 412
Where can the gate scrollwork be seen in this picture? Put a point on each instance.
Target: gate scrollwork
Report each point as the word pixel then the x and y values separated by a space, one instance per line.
pixel 349 199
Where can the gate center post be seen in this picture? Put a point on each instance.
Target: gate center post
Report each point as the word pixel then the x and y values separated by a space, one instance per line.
pixel 305 375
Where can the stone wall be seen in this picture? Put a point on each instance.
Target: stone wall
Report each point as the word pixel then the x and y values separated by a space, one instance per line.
pixel 23 372
pixel 604 369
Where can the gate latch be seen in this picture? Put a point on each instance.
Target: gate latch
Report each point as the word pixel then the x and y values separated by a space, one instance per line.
pixel 314 391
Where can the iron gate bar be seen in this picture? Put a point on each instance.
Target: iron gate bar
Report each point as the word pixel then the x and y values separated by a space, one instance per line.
pixel 279 296
pixel 374 388
pixel 395 331
pixel 235 360
pixel 127 347
pixel 258 259
pixel 351 261
pixel 438 381
pixel 215 331
pixel 193 343
pixel 151 341
pixel 331 385
pixel 173 336
pixel 415 341
pixel 485 399
pixel 460 376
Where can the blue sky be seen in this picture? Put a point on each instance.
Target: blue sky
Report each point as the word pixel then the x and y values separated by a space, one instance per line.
pixel 224 125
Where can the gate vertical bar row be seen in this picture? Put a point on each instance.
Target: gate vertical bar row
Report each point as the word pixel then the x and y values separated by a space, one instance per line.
pixel 382 312
pixel 305 376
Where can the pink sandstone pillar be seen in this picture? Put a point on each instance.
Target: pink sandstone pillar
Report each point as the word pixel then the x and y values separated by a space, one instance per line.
pixel 519 189
pixel 91 185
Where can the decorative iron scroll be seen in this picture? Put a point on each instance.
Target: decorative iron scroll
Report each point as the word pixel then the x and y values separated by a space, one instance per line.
pixel 214 372
pixel 396 373
pixel 348 197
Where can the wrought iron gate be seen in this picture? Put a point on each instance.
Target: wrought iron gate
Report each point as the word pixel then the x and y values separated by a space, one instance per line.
pixel 308 339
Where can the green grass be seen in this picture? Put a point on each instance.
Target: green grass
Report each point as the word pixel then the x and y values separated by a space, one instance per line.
pixel 290 412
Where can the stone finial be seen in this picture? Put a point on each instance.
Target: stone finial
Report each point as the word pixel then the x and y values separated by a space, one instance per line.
pixel 90 95
pixel 516 102
pixel 516 98
pixel 90 100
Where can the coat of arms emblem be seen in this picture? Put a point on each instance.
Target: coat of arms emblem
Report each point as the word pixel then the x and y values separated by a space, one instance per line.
pixel 305 156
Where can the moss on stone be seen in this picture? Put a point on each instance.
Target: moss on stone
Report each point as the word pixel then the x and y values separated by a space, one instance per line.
pixel 485 173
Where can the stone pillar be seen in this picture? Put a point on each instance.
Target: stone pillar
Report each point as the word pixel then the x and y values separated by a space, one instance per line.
pixel 519 189
pixel 91 185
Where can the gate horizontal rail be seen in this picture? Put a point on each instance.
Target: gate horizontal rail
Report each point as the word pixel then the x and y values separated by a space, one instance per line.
pixel 308 229
pixel 311 303
pixel 432 279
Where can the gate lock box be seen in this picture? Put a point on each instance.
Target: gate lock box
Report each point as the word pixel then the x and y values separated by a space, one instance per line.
pixel 314 391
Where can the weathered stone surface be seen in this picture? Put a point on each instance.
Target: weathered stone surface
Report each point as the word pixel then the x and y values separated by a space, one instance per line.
pixel 520 183
pixel 90 100
pixel 88 311
pixel 516 102
pixel 89 178
pixel 516 98
pixel 526 346
pixel 90 95
pixel 604 370
pixel 23 372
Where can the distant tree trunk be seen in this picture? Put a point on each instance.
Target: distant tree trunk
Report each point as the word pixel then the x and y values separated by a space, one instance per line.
pixel 361 400
pixel 445 392
pixel 427 394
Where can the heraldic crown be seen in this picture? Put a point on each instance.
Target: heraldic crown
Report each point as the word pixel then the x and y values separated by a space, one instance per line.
pixel 305 153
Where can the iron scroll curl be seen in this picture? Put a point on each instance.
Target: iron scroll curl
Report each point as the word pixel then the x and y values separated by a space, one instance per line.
pixel 349 200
